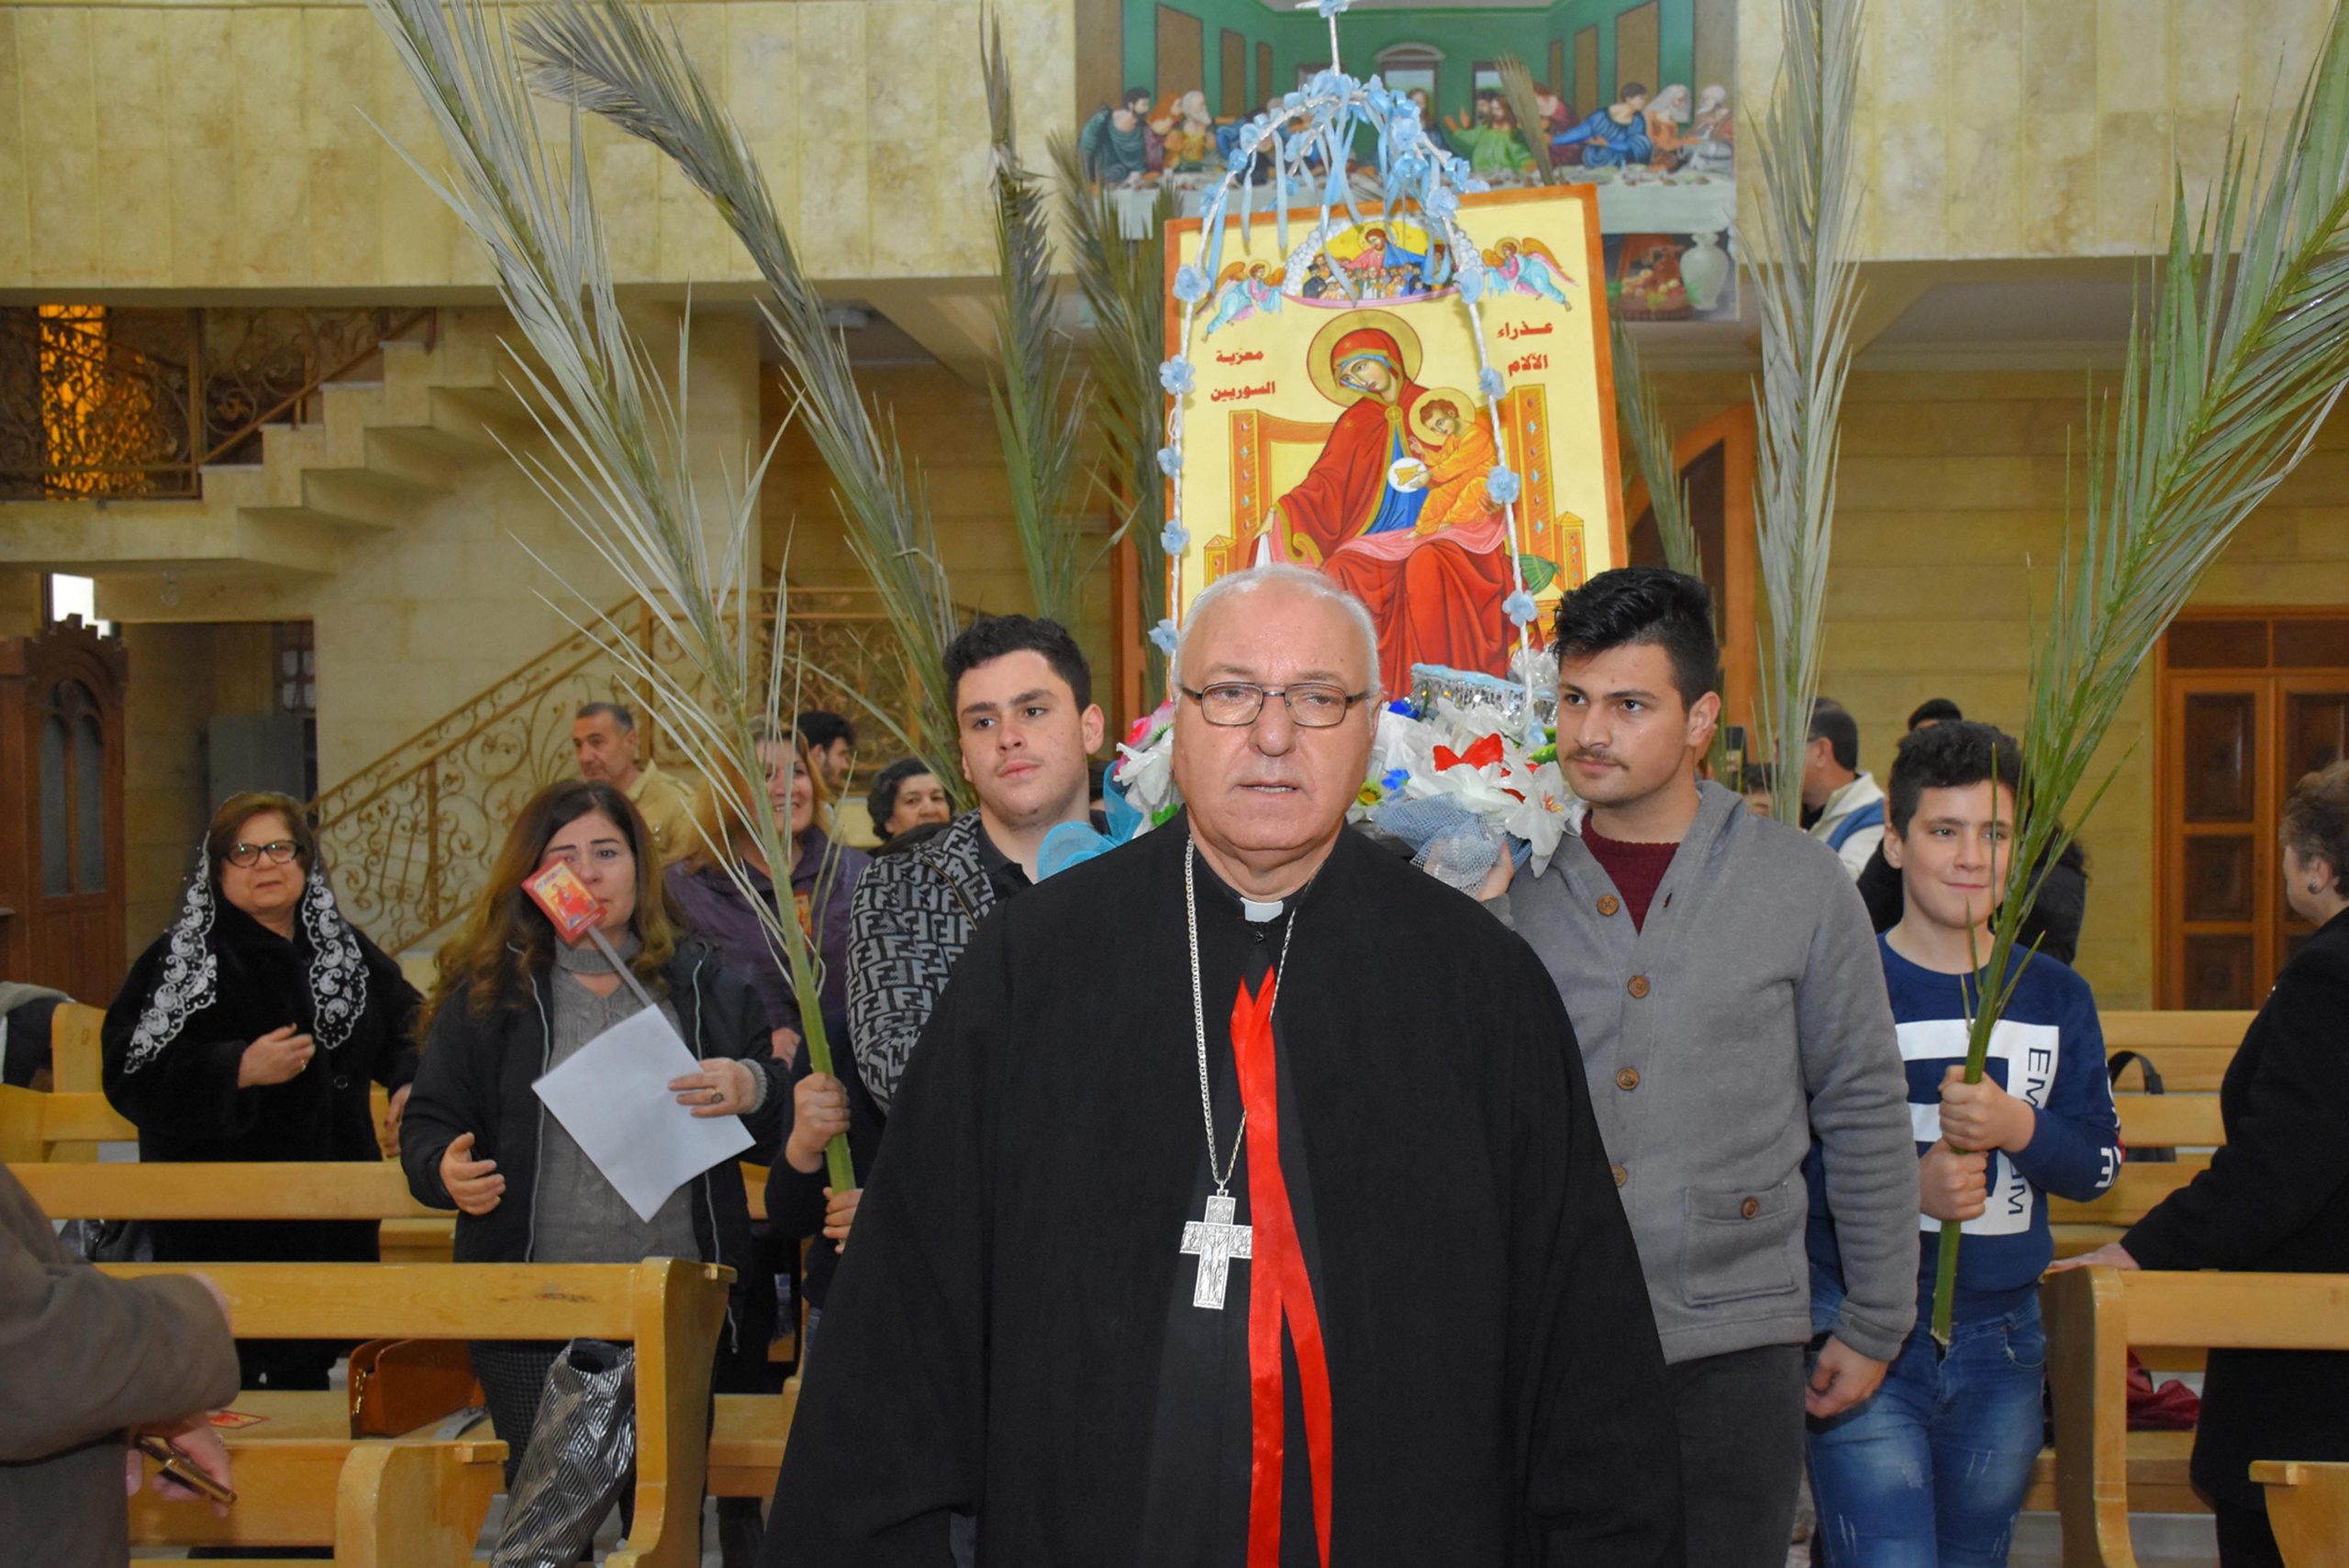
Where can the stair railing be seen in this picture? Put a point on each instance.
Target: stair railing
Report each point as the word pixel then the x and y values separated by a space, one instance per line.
pixel 411 835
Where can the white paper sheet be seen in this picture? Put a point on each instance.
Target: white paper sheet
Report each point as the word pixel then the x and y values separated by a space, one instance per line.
pixel 613 1097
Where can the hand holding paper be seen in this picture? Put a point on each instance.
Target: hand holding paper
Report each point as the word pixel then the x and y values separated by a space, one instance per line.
pixel 614 1097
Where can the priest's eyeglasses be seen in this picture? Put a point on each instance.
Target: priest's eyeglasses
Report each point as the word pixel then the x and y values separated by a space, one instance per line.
pixel 279 851
pixel 1312 705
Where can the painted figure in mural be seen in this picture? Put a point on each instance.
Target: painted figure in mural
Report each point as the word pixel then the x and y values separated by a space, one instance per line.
pixel 1615 135
pixel 1319 280
pixel 1118 145
pixel 1557 113
pixel 1712 135
pixel 1186 131
pixel 1529 268
pixel 1240 293
pixel 1451 435
pixel 1666 114
pixel 1490 141
pixel 1436 596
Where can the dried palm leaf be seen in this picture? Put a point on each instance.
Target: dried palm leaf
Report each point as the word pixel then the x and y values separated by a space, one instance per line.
pixel 616 462
pixel 1516 86
pixel 1039 414
pixel 2243 353
pixel 1807 286
pixel 614 59
pixel 1124 285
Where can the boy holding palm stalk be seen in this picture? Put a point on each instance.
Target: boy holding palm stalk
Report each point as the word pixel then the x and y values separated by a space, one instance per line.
pixel 1933 1471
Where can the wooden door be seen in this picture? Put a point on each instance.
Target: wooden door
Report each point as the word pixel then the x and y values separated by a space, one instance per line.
pixel 2250 701
pixel 1639 49
pixel 1557 81
pixel 1181 52
pixel 1587 95
pixel 1264 88
pixel 62 879
pixel 1233 84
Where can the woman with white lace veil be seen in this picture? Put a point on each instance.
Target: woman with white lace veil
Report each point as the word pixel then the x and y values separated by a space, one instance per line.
pixel 252 1030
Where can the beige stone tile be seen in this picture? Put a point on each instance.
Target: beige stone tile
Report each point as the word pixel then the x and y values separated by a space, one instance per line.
pixel 626 177
pixel 1984 203
pixel 1907 51
pixel 202 60
pixel 2202 148
pixel 760 67
pixel 134 217
pixel 417 228
pixel 1906 201
pixel 2206 58
pixel 2057 196
pixel 345 216
pixel 273 223
pixel 266 79
pixel 55 78
pixel 15 218
pixel 340 44
pixel 2059 56
pixel 832 224
pixel 2132 55
pixel 62 223
pixel 130 53
pixel 1986 51
pixel 2134 165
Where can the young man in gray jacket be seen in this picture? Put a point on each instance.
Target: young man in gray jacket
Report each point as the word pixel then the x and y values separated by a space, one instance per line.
pixel 1723 980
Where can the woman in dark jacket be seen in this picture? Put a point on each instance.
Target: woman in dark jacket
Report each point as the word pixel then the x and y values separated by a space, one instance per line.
pixel 823 877
pixel 2276 1196
pixel 514 1001
pixel 252 1030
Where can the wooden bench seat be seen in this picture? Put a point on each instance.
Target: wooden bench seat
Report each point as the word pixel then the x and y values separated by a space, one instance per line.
pixel 420 1500
pixel 2094 1317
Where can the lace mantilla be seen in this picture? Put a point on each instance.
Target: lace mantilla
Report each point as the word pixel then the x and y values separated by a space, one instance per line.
pixel 191 970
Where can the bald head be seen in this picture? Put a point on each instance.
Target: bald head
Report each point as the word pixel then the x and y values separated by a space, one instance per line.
pixel 1268 797
pixel 1228 592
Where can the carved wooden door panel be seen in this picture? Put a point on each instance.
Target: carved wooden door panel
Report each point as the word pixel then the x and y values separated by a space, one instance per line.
pixel 62 868
pixel 2250 702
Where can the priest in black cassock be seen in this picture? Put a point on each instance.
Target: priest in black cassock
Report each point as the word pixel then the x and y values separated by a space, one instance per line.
pixel 1242 1203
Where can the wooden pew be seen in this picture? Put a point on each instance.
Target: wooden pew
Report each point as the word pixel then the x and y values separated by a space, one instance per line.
pixel 746 1443
pixel 2094 1316
pixel 2308 1508
pixel 418 1502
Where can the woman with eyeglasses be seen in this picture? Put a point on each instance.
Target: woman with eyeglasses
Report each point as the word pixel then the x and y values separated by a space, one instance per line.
pixel 253 1030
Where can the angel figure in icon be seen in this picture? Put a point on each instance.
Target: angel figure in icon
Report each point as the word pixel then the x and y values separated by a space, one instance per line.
pixel 1240 293
pixel 1526 266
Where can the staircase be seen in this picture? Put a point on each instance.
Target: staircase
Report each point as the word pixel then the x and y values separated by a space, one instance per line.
pixel 411 836
pixel 383 436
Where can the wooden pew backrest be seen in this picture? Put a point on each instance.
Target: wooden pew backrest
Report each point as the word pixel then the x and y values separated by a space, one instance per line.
pixel 2094 1316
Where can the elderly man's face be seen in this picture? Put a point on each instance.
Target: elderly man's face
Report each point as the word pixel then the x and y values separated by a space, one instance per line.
pixel 1275 787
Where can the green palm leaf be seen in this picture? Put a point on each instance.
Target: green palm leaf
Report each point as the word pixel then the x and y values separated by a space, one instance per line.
pixel 2234 363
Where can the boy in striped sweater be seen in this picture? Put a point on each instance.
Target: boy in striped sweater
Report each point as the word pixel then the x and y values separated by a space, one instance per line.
pixel 1931 1472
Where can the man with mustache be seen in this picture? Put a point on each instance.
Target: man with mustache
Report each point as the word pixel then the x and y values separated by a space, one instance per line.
pixel 1242 1203
pixel 1723 980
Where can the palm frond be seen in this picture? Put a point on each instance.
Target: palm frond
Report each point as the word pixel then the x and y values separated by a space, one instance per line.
pixel 2233 364
pixel 1124 285
pixel 1807 286
pixel 1640 411
pixel 1516 86
pixel 614 59
pixel 1038 415
pixel 615 463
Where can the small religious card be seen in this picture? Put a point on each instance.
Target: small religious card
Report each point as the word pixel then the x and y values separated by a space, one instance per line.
pixel 613 1097
pixel 565 901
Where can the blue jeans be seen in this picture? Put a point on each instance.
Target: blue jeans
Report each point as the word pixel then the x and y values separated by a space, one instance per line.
pixel 1930 1472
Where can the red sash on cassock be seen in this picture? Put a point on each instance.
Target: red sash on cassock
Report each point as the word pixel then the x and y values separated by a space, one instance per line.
pixel 1277 1288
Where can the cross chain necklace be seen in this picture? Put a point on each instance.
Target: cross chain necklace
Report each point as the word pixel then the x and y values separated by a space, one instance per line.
pixel 1215 1241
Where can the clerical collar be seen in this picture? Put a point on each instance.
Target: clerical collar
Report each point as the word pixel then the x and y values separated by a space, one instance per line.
pixel 1255 911
pixel 1262 914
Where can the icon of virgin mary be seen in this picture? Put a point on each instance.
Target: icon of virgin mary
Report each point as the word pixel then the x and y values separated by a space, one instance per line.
pixel 1435 596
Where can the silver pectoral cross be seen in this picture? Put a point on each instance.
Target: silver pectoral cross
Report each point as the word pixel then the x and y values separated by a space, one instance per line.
pixel 1215 1242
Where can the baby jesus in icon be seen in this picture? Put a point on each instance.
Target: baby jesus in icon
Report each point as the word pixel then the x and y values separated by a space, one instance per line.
pixel 1453 440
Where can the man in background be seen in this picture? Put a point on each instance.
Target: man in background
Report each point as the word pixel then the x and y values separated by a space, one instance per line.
pixel 1841 805
pixel 603 742
pixel 1933 711
pixel 830 742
